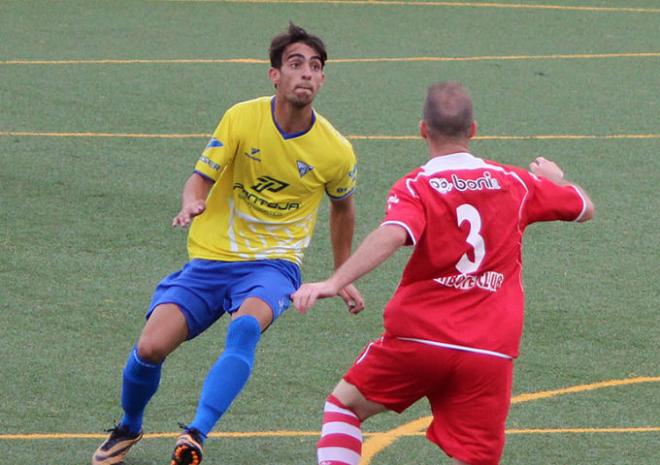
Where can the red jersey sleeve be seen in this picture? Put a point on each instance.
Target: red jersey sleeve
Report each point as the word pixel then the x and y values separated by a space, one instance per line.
pixel 405 209
pixel 548 201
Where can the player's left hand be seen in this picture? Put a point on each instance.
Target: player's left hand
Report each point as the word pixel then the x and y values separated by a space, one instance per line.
pixel 546 168
pixel 307 295
pixel 352 298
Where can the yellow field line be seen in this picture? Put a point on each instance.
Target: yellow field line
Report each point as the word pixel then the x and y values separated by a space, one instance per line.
pixel 583 388
pixel 380 440
pixel 255 434
pixel 252 61
pixel 183 61
pixel 531 137
pixel 377 443
pixel 125 135
pixel 117 135
pixel 642 429
pixel 564 56
pixel 285 434
pixel 518 6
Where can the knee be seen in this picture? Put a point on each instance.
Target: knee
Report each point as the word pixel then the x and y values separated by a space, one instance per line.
pixel 243 336
pixel 151 351
pixel 352 399
pixel 244 333
pixel 165 330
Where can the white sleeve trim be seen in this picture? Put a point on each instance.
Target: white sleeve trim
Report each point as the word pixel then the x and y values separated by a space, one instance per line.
pixel 404 226
pixel 584 204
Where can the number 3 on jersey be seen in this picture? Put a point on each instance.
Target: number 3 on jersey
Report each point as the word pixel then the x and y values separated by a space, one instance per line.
pixel 467 212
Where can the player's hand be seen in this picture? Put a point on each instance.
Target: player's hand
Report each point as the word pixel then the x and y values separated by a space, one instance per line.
pixel 188 212
pixel 547 169
pixel 352 298
pixel 307 295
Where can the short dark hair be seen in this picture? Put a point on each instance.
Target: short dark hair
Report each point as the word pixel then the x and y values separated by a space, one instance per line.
pixel 448 110
pixel 291 36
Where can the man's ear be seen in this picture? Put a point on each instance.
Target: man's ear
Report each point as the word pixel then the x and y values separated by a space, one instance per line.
pixel 473 130
pixel 423 129
pixel 274 76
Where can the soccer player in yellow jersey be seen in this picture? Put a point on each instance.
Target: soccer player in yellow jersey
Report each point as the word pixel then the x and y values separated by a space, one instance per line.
pixel 251 204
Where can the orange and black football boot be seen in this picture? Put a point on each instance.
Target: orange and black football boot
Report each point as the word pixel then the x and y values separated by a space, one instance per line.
pixel 188 448
pixel 114 449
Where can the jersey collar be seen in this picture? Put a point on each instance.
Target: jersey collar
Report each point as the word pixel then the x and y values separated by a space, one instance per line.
pixel 453 161
pixel 287 135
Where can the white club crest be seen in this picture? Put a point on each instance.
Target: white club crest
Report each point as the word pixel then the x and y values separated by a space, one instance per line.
pixel 303 168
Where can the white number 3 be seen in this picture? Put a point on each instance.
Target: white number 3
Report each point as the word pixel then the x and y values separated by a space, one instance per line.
pixel 467 212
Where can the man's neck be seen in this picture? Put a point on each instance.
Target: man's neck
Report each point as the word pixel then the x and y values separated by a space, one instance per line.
pixel 292 119
pixel 447 147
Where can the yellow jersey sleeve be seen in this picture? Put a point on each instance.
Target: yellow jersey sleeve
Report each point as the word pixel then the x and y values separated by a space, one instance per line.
pixel 220 150
pixel 343 184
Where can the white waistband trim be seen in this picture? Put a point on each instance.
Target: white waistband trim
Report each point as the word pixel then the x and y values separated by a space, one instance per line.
pixel 456 347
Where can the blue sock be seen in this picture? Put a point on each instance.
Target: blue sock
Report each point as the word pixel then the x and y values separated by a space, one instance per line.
pixel 140 382
pixel 229 374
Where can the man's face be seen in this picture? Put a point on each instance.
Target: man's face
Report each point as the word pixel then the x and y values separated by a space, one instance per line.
pixel 300 77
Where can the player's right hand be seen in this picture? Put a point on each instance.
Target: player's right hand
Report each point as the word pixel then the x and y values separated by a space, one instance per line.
pixel 188 212
pixel 307 295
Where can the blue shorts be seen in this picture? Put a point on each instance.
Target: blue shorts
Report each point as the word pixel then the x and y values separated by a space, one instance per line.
pixel 205 289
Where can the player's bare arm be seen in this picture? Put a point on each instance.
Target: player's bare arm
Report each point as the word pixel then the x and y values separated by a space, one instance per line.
pixel 342 225
pixel 550 170
pixel 377 247
pixel 193 199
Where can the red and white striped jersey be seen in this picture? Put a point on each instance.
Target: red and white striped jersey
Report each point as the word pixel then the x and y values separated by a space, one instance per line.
pixel 462 287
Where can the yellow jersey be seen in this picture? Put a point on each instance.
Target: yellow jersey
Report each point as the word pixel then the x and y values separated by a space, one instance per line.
pixel 267 185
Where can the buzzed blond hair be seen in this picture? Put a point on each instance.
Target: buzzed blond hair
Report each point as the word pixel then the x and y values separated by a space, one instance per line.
pixel 448 110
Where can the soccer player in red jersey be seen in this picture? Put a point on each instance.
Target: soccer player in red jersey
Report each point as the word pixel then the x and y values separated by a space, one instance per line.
pixel 453 325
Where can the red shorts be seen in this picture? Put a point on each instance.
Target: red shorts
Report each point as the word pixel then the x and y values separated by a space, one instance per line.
pixel 469 393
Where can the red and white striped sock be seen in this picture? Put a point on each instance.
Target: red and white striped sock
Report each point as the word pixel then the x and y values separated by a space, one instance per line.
pixel 341 436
